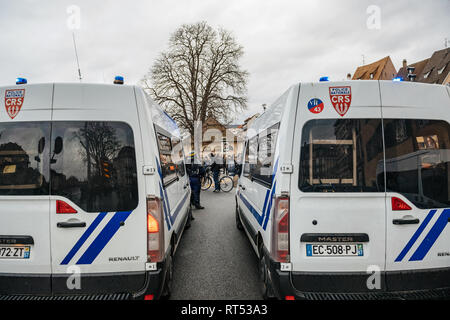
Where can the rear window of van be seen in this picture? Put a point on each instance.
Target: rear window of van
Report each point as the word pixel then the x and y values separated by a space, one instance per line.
pixel 90 163
pixel 24 148
pixel 341 155
pixel 346 155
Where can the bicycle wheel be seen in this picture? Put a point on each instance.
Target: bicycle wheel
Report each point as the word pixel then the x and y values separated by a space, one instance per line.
pixel 226 184
pixel 206 183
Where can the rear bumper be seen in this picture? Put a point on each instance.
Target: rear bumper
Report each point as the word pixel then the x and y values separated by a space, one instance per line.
pixel 405 285
pixel 108 286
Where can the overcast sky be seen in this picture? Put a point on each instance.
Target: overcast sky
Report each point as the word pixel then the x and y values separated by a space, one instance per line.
pixel 284 41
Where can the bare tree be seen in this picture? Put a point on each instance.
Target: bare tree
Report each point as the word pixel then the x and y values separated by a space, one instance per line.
pixel 199 76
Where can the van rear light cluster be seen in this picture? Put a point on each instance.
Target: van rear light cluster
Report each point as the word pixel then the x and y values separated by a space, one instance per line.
pixel 280 230
pixel 155 230
pixel 398 204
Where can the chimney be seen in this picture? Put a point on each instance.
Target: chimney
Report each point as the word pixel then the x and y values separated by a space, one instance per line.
pixel 405 63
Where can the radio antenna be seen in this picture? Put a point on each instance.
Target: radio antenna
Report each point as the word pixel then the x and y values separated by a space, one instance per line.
pixel 76 55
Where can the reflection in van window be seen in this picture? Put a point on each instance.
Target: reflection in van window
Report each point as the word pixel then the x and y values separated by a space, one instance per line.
pixel 168 169
pixel 263 169
pixel 341 155
pixel 178 156
pixel 96 168
pixel 418 161
pixel 24 158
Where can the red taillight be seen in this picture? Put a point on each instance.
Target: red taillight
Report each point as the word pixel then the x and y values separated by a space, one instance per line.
pixel 289 298
pixel 399 204
pixel 155 230
pixel 62 207
pixel 149 297
pixel 280 230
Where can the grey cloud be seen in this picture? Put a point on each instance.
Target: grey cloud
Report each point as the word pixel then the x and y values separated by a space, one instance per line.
pixel 285 41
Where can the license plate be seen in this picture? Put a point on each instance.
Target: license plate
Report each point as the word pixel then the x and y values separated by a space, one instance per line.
pixel 334 250
pixel 14 252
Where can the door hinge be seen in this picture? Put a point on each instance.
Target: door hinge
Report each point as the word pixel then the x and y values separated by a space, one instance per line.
pixel 285 266
pixel 150 266
pixel 148 170
pixel 286 168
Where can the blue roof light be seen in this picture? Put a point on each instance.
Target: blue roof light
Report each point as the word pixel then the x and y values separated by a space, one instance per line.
pixel 118 80
pixel 323 79
pixel 397 79
pixel 21 81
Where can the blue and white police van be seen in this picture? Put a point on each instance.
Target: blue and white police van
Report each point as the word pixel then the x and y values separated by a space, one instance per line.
pixel 345 191
pixel 94 195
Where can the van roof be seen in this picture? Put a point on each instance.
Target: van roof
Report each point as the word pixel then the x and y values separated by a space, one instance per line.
pixel 396 94
pixel 112 98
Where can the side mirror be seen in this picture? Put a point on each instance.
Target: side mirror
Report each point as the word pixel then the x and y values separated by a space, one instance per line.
pixel 58 145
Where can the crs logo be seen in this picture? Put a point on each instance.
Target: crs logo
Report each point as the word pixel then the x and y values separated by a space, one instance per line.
pixel 341 98
pixel 14 101
pixel 315 105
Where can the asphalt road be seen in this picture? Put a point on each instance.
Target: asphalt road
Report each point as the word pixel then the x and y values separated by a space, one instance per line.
pixel 215 260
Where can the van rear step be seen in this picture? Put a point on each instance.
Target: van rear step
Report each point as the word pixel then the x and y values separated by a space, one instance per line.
pixel 437 294
pixel 115 296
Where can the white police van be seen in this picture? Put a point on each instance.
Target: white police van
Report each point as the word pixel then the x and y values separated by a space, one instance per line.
pixel 94 196
pixel 345 191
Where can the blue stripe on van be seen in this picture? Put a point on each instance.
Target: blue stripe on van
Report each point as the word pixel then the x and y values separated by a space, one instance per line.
pixel 250 208
pixel 415 236
pixel 178 208
pixel 266 220
pixel 263 219
pixel 103 237
pixel 432 236
pixel 163 195
pixel 84 237
pixel 166 216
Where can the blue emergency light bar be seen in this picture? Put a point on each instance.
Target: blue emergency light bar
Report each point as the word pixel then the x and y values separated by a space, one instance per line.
pixel 118 80
pixel 21 81
pixel 397 79
pixel 323 79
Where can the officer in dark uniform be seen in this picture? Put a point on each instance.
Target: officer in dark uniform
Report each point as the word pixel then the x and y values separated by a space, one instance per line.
pixel 195 172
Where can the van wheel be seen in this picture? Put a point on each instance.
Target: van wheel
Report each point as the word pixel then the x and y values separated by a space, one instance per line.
pixel 169 279
pixel 264 280
pixel 238 220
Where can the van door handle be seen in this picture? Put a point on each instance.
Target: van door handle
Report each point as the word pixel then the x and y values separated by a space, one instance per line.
pixel 71 224
pixel 405 221
pixel 242 187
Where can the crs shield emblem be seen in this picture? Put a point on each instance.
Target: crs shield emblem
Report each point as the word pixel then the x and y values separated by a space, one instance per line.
pixel 14 101
pixel 341 98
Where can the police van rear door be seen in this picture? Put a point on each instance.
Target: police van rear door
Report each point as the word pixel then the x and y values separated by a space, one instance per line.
pixel 97 207
pixel 417 134
pixel 25 114
pixel 337 199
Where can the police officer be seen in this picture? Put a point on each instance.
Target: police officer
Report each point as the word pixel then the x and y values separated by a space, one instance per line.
pixel 195 172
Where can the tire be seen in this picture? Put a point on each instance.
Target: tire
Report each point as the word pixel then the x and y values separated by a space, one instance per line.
pixel 265 285
pixel 239 225
pixel 206 183
pixel 226 184
pixel 165 295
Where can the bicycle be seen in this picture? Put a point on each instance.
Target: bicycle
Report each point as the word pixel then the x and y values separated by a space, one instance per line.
pixel 226 182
